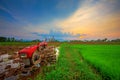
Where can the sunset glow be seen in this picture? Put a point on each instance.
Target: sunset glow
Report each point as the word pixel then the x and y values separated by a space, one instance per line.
pixel 91 19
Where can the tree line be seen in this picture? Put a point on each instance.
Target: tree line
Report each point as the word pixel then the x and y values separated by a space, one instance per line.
pixel 7 39
pixel 98 40
pixel 12 39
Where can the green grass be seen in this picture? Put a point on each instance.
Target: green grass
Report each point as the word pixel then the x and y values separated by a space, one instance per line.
pixel 16 43
pixel 105 58
pixel 69 67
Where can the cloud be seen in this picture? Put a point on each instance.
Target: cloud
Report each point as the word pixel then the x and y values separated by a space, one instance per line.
pixel 62 4
pixel 96 18
pixel 13 29
pixel 15 14
pixel 92 19
pixel 59 35
pixel 5 9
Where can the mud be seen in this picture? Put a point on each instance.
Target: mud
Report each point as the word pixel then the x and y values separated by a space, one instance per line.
pixel 12 67
pixel 9 68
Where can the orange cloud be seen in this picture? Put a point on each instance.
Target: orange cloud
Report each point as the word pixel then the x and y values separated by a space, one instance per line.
pixel 96 20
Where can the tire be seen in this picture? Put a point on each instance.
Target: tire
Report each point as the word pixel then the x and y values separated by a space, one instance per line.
pixel 35 57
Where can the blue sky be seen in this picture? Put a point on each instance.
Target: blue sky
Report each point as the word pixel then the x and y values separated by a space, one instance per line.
pixel 79 19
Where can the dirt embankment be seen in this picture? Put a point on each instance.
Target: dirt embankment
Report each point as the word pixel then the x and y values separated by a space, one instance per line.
pixel 10 49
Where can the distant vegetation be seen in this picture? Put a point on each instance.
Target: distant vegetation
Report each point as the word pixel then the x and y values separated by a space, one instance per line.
pixel 52 39
pixel 98 40
pixel 5 39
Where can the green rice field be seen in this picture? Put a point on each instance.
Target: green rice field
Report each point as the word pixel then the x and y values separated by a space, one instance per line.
pixel 104 58
pixel 84 62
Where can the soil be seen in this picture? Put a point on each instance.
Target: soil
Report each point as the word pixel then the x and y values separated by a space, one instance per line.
pixel 11 50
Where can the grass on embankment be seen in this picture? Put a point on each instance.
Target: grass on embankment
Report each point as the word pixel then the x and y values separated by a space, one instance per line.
pixel 105 58
pixel 17 43
pixel 56 44
pixel 68 67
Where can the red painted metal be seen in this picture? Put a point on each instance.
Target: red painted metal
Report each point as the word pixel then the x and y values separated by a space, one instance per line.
pixel 30 50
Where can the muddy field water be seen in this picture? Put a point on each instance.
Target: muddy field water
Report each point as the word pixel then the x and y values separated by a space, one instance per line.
pixel 9 65
pixel 9 68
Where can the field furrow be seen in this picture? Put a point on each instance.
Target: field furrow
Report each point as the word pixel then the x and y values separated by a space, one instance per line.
pixel 69 67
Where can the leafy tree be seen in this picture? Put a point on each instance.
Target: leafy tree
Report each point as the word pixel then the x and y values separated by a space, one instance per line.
pixel 3 39
pixel 8 39
pixel 36 40
pixel 104 40
pixel 115 40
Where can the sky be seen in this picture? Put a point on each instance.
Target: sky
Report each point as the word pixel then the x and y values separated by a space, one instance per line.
pixel 63 19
